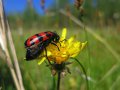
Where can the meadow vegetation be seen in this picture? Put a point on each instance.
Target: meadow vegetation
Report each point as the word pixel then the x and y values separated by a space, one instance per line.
pixel 100 62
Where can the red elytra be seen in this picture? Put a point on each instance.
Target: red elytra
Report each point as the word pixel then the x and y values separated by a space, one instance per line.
pixel 38 38
pixel 44 35
pixel 30 40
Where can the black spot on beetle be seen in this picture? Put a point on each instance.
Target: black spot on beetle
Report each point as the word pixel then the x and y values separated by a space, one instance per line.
pixel 37 35
pixel 48 35
pixel 40 38
pixel 32 43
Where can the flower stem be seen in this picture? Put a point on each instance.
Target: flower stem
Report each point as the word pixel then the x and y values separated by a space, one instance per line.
pixel 58 81
pixel 83 71
pixel 53 84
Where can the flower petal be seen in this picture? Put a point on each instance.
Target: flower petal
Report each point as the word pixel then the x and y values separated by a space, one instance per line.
pixel 41 61
pixel 71 39
pixel 74 49
pixel 83 45
pixel 64 32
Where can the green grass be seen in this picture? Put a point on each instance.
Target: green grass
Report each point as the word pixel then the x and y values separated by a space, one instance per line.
pixel 96 59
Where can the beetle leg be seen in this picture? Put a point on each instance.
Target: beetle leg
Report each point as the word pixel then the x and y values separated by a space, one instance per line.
pixel 47 56
pixel 55 45
pixel 59 43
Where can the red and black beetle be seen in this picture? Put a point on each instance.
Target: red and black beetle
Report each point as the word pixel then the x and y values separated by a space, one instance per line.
pixel 38 42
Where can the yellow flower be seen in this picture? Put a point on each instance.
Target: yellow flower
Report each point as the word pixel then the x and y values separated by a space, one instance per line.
pixel 67 49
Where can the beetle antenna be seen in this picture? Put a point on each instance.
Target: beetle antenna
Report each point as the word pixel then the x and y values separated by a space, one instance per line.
pixel 63 40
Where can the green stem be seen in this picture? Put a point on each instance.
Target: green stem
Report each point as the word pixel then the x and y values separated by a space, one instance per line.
pixel 58 81
pixel 53 83
pixel 83 72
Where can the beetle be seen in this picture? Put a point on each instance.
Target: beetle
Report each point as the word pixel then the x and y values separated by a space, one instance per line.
pixel 37 43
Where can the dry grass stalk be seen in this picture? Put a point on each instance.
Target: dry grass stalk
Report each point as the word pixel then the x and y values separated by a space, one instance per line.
pixel 109 72
pixel 2 55
pixel 4 29
pixel 14 57
pixel 10 65
pixel 116 82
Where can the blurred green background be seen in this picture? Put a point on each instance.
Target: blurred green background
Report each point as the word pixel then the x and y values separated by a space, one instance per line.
pixel 102 16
